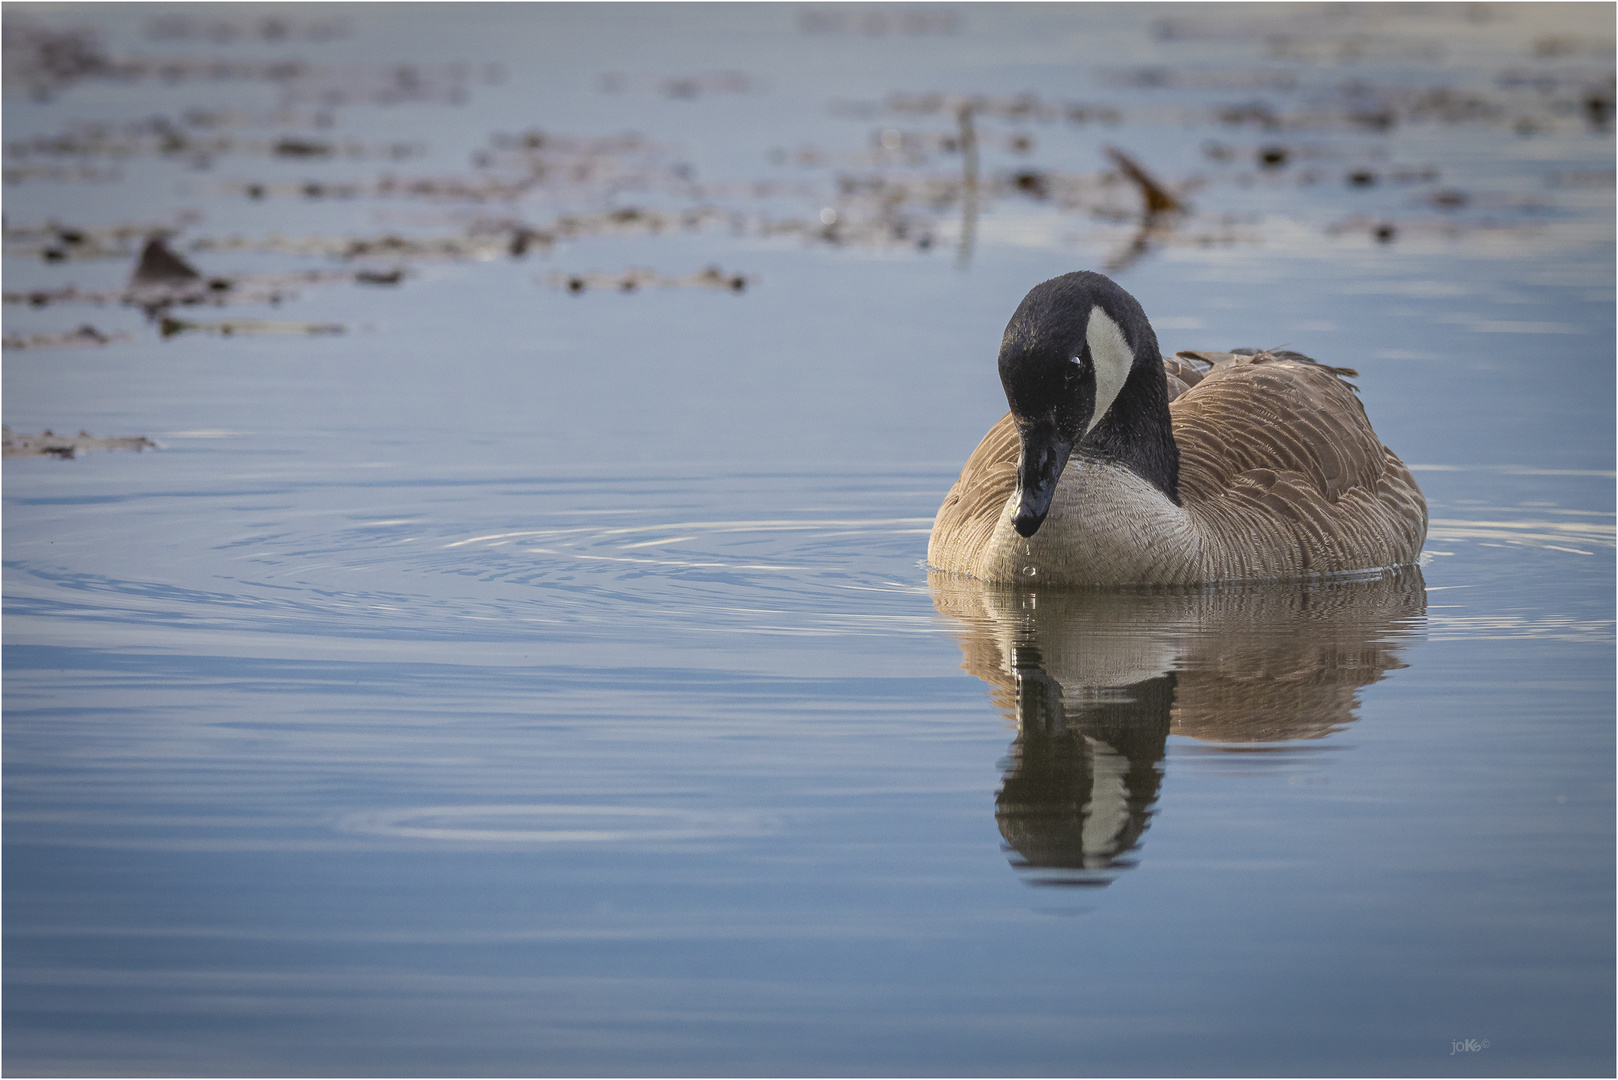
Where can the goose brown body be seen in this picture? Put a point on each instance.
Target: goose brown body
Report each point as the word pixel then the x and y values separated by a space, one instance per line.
pixel 1279 476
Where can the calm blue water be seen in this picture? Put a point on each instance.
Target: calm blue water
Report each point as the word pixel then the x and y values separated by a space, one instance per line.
pixel 523 682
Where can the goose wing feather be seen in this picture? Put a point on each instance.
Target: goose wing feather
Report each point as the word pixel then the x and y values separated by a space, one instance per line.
pixel 972 508
pixel 1279 459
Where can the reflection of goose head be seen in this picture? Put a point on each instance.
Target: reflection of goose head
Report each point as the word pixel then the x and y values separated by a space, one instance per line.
pixel 1096 682
pixel 1084 772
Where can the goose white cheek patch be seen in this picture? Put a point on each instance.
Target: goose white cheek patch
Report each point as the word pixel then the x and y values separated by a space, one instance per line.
pixel 1112 358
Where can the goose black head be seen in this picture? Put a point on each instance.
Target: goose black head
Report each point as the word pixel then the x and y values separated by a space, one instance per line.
pixel 1082 374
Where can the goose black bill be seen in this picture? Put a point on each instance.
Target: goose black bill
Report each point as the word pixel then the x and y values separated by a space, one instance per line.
pixel 1039 466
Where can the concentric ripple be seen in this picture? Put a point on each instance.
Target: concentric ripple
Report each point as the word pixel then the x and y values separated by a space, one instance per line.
pixel 532 562
pixel 549 823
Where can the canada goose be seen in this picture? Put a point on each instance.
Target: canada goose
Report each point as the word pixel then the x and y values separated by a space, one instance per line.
pixel 1116 466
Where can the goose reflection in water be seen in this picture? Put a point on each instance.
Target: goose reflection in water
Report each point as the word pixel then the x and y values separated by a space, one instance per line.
pixel 1097 682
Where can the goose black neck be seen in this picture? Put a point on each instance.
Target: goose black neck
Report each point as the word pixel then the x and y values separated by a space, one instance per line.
pixel 1138 431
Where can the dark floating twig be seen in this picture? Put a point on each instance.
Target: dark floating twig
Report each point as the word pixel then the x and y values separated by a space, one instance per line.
pixel 207 292
pixel 636 278
pixel 171 327
pixel 84 335
pixel 1160 212
pixel 1157 198
pixel 481 242
pixel 49 444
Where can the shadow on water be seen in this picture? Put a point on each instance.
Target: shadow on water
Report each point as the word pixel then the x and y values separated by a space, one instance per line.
pixel 1095 683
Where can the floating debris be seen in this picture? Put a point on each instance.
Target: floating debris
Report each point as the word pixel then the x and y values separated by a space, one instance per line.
pixel 1312 36
pixel 1157 198
pixel 190 138
pixel 479 245
pixel 156 297
pixel 230 327
pixel 1450 230
pixel 160 266
pixel 49 444
pixel 856 223
pixel 930 169
pixel 390 246
pixel 56 242
pixel 61 174
pixel 711 277
pixel 1027 106
pixel 84 335
pixel 1352 106
pixel 44 60
pixel 1158 77
pixel 483 239
pixel 1033 183
pixel 1274 161
pixel 1598 109
pixel 512 168
pixel 397 84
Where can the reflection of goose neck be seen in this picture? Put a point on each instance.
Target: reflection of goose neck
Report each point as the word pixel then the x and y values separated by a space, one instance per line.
pixel 1082 778
pixel 1039 697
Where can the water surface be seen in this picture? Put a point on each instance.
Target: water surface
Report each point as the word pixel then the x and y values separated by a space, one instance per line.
pixel 538 680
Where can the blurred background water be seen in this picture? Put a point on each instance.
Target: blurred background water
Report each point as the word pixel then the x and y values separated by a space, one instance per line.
pixel 517 655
